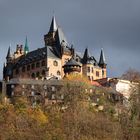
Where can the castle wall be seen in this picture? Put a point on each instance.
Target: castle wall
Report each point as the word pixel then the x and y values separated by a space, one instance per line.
pixel 92 72
pixel 54 66
pixel 32 70
pixel 64 59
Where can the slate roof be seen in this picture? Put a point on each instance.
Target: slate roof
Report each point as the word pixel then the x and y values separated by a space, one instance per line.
pixel 36 55
pixel 53 26
pixel 61 36
pixel 61 41
pixel 72 62
pixel 8 53
pixel 88 59
pixel 51 52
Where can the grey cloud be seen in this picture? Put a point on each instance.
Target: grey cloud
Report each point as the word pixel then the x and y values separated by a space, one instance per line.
pixel 111 24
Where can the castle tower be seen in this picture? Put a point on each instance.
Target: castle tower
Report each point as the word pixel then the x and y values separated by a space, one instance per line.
pixel 103 64
pixel 91 68
pixel 4 71
pixel 72 67
pixel 87 66
pixel 7 69
pixel 50 37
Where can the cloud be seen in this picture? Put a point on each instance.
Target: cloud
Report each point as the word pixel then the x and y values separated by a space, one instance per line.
pixel 111 24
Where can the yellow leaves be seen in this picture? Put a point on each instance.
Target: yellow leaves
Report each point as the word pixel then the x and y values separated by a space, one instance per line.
pixel 78 79
pixel 38 115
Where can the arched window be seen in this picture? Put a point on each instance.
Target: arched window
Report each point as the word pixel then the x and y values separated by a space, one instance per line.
pixel 28 67
pixel 37 64
pixel 43 63
pixel 23 69
pixel 33 66
pixel 55 63
pixel 58 72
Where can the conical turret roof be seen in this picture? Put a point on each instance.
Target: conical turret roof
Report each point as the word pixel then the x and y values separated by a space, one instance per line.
pixel 8 53
pixel 26 48
pixel 102 58
pixel 53 26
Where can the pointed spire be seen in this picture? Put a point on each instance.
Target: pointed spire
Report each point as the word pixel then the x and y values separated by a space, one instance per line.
pixel 102 62
pixel 53 26
pixel 86 56
pixel 8 53
pixel 4 64
pixel 26 48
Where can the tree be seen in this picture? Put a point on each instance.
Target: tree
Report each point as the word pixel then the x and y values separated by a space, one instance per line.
pixel 131 75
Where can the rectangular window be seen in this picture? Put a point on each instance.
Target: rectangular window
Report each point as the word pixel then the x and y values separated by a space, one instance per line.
pixel 88 69
pixel 97 73
pixel 103 72
pixel 92 70
pixel 89 78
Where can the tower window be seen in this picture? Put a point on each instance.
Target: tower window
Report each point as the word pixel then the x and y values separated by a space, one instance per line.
pixel 97 73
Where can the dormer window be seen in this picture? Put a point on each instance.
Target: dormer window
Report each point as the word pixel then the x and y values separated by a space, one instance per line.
pixel 55 63
pixel 58 72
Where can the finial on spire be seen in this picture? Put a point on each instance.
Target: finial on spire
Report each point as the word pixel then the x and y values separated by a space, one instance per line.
pixel 26 48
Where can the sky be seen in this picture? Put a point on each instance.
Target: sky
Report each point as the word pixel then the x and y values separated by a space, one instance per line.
pixel 113 25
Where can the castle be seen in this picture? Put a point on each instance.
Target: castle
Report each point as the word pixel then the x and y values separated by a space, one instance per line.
pixel 57 59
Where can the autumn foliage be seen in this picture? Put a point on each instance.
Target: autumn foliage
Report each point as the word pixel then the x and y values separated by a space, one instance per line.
pixel 76 118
